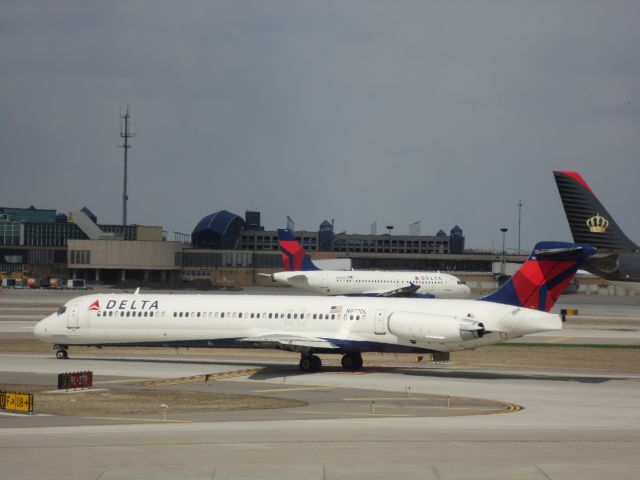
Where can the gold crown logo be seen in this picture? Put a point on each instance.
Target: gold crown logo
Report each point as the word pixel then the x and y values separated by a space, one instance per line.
pixel 597 224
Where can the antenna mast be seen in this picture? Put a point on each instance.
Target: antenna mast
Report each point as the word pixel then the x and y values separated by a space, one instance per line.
pixel 126 134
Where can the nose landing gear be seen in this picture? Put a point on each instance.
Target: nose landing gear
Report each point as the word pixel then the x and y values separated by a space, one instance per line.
pixel 61 351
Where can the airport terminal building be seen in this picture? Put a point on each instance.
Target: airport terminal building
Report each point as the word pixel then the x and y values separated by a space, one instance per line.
pixel 224 249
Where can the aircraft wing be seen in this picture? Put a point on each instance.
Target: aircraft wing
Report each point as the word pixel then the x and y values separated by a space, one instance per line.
pixel 293 343
pixel 408 291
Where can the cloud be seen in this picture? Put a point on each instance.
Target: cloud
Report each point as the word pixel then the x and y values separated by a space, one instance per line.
pixel 443 112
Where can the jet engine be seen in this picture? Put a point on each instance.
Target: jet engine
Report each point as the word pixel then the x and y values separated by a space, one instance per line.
pixel 434 328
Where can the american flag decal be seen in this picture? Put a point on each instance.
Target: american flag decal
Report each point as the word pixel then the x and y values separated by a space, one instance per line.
pixel 336 309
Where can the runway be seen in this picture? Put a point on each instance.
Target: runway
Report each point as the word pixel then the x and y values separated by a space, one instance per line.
pixel 573 425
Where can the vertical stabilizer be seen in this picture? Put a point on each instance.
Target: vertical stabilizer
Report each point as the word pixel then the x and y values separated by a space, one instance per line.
pixel 589 221
pixel 544 276
pixel 294 257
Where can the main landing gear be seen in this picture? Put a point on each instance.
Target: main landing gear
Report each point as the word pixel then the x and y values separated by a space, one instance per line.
pixel 311 363
pixel 61 351
pixel 352 361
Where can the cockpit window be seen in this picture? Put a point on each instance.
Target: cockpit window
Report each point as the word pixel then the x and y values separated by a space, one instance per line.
pixel 62 309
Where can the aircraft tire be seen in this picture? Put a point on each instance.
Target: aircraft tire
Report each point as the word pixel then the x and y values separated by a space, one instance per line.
pixel 62 354
pixel 305 363
pixel 351 361
pixel 310 363
pixel 316 363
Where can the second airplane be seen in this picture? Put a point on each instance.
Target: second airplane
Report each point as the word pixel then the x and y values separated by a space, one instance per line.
pixel 302 273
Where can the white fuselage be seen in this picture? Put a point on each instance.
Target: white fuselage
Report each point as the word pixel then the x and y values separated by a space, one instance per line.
pixel 348 324
pixel 358 282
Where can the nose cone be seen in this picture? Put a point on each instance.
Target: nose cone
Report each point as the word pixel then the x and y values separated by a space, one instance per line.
pixel 42 329
pixel 527 321
pixel 466 291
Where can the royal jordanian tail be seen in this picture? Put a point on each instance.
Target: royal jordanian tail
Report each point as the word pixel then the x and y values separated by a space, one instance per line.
pixel 544 276
pixel 589 221
pixel 294 258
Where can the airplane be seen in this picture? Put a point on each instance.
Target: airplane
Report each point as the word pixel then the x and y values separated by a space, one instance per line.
pixel 302 273
pixel 319 324
pixel 618 258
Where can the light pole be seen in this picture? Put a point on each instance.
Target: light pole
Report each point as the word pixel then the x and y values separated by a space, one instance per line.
pixel 520 204
pixel 504 233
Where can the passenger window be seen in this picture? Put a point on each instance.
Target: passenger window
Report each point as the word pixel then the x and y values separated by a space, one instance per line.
pixel 221 315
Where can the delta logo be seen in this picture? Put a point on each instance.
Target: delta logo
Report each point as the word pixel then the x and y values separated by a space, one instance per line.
pixel 95 305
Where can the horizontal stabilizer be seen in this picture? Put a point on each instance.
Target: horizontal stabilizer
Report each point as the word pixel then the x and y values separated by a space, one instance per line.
pixel 558 254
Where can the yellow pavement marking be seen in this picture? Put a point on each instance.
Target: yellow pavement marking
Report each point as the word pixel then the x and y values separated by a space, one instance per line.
pixel 294 389
pixel 139 419
pixel 438 407
pixel 202 378
pixel 130 380
pixel 355 399
pixel 355 413
pixel 559 339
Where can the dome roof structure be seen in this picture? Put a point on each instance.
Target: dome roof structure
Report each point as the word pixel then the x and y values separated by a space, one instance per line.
pixel 220 230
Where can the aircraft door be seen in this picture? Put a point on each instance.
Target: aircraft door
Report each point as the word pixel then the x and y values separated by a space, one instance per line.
pixel 324 282
pixel 379 327
pixel 73 316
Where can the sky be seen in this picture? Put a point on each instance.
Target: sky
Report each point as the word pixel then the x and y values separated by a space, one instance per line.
pixel 361 111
